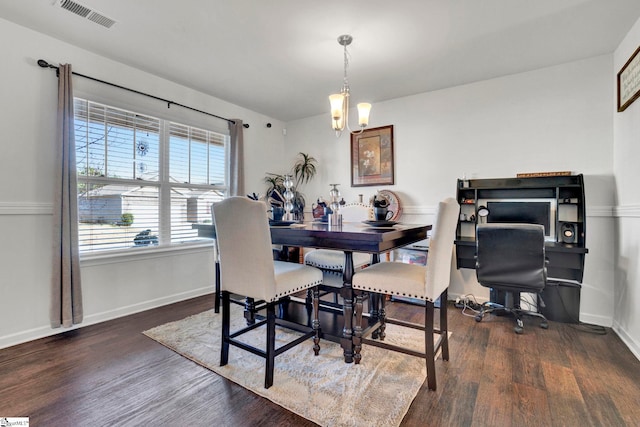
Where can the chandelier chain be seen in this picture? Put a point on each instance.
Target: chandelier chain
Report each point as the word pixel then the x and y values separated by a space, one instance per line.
pixel 346 66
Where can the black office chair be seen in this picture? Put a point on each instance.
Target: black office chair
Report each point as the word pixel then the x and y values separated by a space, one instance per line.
pixel 511 258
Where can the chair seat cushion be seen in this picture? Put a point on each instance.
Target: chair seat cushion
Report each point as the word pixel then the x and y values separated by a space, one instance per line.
pixel 328 259
pixel 292 277
pixel 394 278
pixel 332 279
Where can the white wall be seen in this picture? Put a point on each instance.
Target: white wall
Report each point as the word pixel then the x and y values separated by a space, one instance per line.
pixel 112 287
pixel 626 152
pixel 553 119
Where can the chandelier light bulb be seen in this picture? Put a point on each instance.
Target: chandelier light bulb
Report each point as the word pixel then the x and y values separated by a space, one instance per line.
pixel 336 101
pixel 364 108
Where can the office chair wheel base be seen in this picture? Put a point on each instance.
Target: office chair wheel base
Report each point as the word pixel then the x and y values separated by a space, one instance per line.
pixel 478 317
pixel 544 325
pixel 519 327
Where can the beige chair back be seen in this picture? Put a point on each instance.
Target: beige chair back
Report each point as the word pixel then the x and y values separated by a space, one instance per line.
pixel 443 234
pixel 356 212
pixel 244 246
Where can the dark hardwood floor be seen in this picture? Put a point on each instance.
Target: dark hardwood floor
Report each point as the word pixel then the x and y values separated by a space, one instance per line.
pixel 110 374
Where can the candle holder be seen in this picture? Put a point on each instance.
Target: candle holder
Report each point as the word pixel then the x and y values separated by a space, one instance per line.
pixel 335 218
pixel 288 197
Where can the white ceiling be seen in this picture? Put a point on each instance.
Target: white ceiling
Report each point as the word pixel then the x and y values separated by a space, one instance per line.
pixel 281 57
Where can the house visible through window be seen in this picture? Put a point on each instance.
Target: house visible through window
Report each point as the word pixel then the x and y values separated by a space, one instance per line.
pixel 143 181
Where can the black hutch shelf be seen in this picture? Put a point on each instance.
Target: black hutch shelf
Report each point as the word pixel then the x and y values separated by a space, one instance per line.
pixel 565 248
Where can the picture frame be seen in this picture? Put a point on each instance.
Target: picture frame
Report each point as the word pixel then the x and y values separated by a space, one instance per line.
pixel 628 81
pixel 372 157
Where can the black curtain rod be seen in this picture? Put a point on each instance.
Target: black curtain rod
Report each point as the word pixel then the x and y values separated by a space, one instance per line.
pixel 45 64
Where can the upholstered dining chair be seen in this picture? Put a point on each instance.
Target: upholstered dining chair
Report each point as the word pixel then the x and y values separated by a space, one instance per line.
pixel 330 261
pixel 243 234
pixel 511 258
pixel 427 283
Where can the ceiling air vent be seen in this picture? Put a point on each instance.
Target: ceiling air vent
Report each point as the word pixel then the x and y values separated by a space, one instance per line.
pixel 86 12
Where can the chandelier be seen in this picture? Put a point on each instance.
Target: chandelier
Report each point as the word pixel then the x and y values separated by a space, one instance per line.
pixel 340 101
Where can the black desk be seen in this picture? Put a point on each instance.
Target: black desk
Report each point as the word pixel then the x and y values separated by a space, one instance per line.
pixel 566 261
pixel 350 237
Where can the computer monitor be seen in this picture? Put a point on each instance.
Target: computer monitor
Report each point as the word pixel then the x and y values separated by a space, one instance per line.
pixel 528 211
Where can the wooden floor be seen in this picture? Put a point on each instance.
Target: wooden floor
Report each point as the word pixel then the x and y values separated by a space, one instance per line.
pixel 110 374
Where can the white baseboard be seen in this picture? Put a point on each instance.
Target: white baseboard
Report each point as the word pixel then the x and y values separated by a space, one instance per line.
pixel 46 331
pixel 627 339
pixel 595 319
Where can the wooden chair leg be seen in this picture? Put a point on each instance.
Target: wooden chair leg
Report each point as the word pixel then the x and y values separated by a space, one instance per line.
pixel 374 310
pixel 382 316
pixel 444 330
pixel 429 346
pixel 226 320
pixel 250 311
pixel 216 305
pixel 271 344
pixel 308 298
pixel 316 320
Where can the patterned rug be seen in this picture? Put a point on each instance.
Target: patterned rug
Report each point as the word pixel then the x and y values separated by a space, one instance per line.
pixel 322 389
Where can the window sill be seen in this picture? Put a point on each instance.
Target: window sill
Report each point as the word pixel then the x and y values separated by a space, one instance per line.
pixel 138 254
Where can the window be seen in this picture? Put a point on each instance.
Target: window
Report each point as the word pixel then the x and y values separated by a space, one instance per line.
pixel 143 181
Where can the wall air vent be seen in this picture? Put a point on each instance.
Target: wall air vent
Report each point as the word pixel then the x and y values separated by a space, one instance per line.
pixel 86 12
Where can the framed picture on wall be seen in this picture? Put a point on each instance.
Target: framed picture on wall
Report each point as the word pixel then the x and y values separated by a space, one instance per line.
pixel 372 157
pixel 629 81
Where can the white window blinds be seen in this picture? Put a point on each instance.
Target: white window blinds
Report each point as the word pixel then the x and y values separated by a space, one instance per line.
pixel 128 196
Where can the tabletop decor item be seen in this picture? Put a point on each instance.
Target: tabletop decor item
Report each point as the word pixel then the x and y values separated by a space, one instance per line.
pixel 393 202
pixel 288 197
pixel 303 170
pixel 320 210
pixel 380 223
pixel 372 157
pixel 382 214
pixel 334 217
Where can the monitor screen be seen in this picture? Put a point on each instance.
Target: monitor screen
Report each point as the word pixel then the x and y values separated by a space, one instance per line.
pixel 521 212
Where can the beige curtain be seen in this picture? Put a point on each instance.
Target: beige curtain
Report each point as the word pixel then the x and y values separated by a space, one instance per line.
pixel 66 296
pixel 236 168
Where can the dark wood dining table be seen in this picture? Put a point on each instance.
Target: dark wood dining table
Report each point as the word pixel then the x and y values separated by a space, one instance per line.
pixel 349 238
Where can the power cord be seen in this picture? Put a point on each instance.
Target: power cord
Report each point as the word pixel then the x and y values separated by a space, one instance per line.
pixel 468 303
pixel 470 307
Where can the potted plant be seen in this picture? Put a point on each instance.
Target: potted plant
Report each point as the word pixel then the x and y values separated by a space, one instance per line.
pixel 303 170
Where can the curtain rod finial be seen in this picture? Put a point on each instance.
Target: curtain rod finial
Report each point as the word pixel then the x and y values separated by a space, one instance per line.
pixel 44 64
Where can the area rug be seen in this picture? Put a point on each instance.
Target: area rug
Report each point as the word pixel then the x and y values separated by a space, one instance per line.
pixel 322 389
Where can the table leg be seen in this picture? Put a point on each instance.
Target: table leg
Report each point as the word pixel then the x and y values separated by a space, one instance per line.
pixel 357 328
pixel 374 300
pixel 347 294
